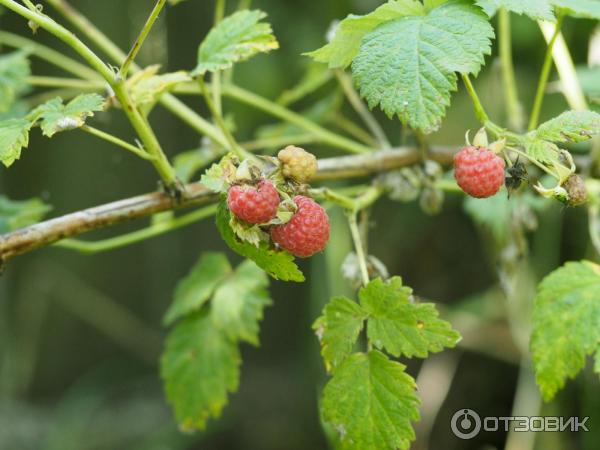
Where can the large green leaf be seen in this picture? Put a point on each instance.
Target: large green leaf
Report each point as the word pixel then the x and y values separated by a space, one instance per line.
pixel 371 402
pixel 18 214
pixel 236 38
pixel 56 116
pixel 200 366
pixel 279 264
pixel 408 66
pixel 14 135
pixel 587 9
pixel 570 126
pixel 345 45
pixel 536 9
pixel 338 329
pixel 566 324
pixel 401 325
pixel 14 70
pixel 196 289
pixel 238 303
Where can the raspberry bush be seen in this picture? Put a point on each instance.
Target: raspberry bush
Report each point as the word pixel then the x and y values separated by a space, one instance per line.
pixel 277 204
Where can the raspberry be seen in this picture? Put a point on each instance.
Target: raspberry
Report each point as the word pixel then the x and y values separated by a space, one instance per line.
pixel 307 232
pixel 576 190
pixel 254 204
pixel 298 163
pixel 478 171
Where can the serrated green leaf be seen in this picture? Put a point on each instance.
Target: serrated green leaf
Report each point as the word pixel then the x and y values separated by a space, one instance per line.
pixel 570 126
pixel 279 264
pixel 536 9
pixel 408 66
pixel 236 38
pixel 238 303
pixel 245 232
pixel 147 87
pixel 338 329
pixel 586 9
pixel 345 45
pixel 371 402
pixel 14 70
pixel 200 366
pixel 219 176
pixel 401 325
pixel 542 151
pixel 56 116
pixel 14 135
pixel 196 289
pixel 566 324
pixel 18 214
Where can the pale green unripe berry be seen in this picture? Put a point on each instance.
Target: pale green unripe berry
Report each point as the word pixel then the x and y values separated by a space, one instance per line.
pixel 298 164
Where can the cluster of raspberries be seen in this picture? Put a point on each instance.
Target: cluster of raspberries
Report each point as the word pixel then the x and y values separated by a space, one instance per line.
pixel 307 232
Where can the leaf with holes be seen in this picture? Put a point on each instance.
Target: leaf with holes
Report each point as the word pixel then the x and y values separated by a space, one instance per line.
pixel 408 66
pixel 401 325
pixel 236 38
pixel 56 116
pixel 371 402
pixel 345 45
pixel 566 324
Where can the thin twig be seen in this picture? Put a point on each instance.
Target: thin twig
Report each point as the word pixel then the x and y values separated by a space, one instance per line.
pixel 137 45
pixel 117 141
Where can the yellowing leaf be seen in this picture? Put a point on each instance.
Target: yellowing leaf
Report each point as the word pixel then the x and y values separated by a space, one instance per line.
pixel 147 87
pixel 14 135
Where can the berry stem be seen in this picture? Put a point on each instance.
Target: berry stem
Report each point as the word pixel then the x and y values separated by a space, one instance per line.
pixel 545 73
pixel 534 161
pixel 479 109
pixel 360 252
pixel 117 141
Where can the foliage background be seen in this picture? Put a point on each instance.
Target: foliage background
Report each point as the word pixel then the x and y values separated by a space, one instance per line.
pixel 80 336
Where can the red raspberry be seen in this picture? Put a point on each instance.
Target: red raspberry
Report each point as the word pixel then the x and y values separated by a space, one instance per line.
pixel 478 171
pixel 307 232
pixel 254 204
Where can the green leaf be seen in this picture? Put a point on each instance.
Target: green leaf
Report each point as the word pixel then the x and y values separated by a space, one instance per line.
pixel 566 324
pixel 146 87
pixel 407 66
pixel 536 9
pixel 220 176
pixel 19 214
pixel 586 9
pixel 196 289
pixel 238 303
pixel 401 325
pixel 279 264
pixel 570 126
pixel 542 151
pixel 371 402
pixel 200 366
pixel 338 329
pixel 57 117
pixel 345 45
pixel 236 38
pixel 14 70
pixel 14 135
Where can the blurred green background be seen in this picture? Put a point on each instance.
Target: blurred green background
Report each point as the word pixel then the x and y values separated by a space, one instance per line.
pixel 80 336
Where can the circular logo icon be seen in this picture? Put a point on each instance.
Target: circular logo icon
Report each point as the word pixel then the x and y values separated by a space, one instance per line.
pixel 465 424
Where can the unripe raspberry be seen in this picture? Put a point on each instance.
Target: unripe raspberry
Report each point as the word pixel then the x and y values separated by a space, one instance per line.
pixel 254 204
pixel 478 171
pixel 297 163
pixel 307 232
pixel 576 190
